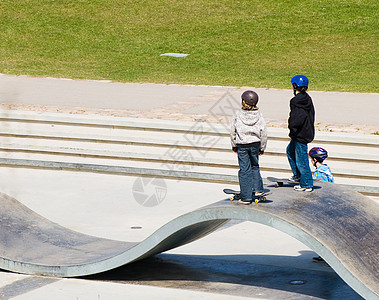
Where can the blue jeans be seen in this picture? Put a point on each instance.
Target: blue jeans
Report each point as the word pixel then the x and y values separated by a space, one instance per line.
pixel 297 154
pixel 249 175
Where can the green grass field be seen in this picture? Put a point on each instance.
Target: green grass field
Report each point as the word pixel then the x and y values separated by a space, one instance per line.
pixel 238 43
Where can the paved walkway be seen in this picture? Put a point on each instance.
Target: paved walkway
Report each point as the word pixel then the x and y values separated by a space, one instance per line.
pixel 347 112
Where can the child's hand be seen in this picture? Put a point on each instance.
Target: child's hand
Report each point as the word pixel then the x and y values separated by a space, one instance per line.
pixel 261 152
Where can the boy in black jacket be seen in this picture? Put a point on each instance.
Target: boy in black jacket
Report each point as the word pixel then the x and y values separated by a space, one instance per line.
pixel 302 131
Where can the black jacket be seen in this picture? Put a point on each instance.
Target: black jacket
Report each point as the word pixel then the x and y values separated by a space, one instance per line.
pixel 302 118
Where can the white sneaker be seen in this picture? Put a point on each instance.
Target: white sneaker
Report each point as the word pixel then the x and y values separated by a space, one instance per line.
pixel 302 189
pixel 247 202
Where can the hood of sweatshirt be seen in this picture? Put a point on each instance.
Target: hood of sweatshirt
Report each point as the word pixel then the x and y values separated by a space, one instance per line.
pixel 302 101
pixel 249 117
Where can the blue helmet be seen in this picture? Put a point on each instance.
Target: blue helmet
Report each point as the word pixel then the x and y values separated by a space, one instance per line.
pixel 320 154
pixel 300 80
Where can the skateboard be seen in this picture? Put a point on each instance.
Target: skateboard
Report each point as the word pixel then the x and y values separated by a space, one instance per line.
pixel 279 181
pixel 236 195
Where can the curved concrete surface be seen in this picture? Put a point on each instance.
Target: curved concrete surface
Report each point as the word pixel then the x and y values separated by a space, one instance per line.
pixel 340 225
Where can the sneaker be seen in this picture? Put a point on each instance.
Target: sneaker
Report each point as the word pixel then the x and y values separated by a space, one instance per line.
pixel 259 194
pixel 294 179
pixel 244 201
pixel 318 259
pixel 302 189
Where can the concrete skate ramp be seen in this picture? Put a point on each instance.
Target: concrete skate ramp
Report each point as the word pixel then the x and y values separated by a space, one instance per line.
pixel 340 225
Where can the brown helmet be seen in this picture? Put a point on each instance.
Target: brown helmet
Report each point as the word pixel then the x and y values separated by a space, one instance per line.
pixel 250 97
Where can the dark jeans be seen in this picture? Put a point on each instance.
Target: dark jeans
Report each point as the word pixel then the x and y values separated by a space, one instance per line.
pixel 297 154
pixel 249 176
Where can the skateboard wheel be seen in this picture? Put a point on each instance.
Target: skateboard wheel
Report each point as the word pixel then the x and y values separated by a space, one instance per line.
pixel 231 198
pixel 256 200
pixel 276 185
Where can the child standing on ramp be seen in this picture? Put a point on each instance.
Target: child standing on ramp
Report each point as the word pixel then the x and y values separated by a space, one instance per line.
pixel 249 138
pixel 302 131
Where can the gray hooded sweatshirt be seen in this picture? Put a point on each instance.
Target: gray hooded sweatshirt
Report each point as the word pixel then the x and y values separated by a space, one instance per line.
pixel 248 126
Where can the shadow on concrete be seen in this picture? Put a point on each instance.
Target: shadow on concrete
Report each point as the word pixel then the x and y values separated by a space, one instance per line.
pixel 24 285
pixel 232 275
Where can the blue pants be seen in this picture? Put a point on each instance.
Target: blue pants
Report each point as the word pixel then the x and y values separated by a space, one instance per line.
pixel 249 175
pixel 297 154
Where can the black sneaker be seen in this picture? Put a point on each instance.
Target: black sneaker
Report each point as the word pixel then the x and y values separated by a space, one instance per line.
pixel 294 179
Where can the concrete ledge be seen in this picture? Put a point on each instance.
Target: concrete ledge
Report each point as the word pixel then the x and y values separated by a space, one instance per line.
pixel 347 246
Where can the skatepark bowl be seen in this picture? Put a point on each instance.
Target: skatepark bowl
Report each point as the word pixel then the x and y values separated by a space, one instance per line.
pixel 338 224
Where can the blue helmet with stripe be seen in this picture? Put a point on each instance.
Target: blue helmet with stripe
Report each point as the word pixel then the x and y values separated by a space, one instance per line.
pixel 320 154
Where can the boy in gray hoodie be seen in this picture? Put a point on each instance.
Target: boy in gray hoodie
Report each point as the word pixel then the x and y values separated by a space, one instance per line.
pixel 249 138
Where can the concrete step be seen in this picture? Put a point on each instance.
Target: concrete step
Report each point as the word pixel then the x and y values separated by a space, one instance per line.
pixel 167 126
pixel 228 160
pixel 351 152
pixel 225 163
pixel 198 147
